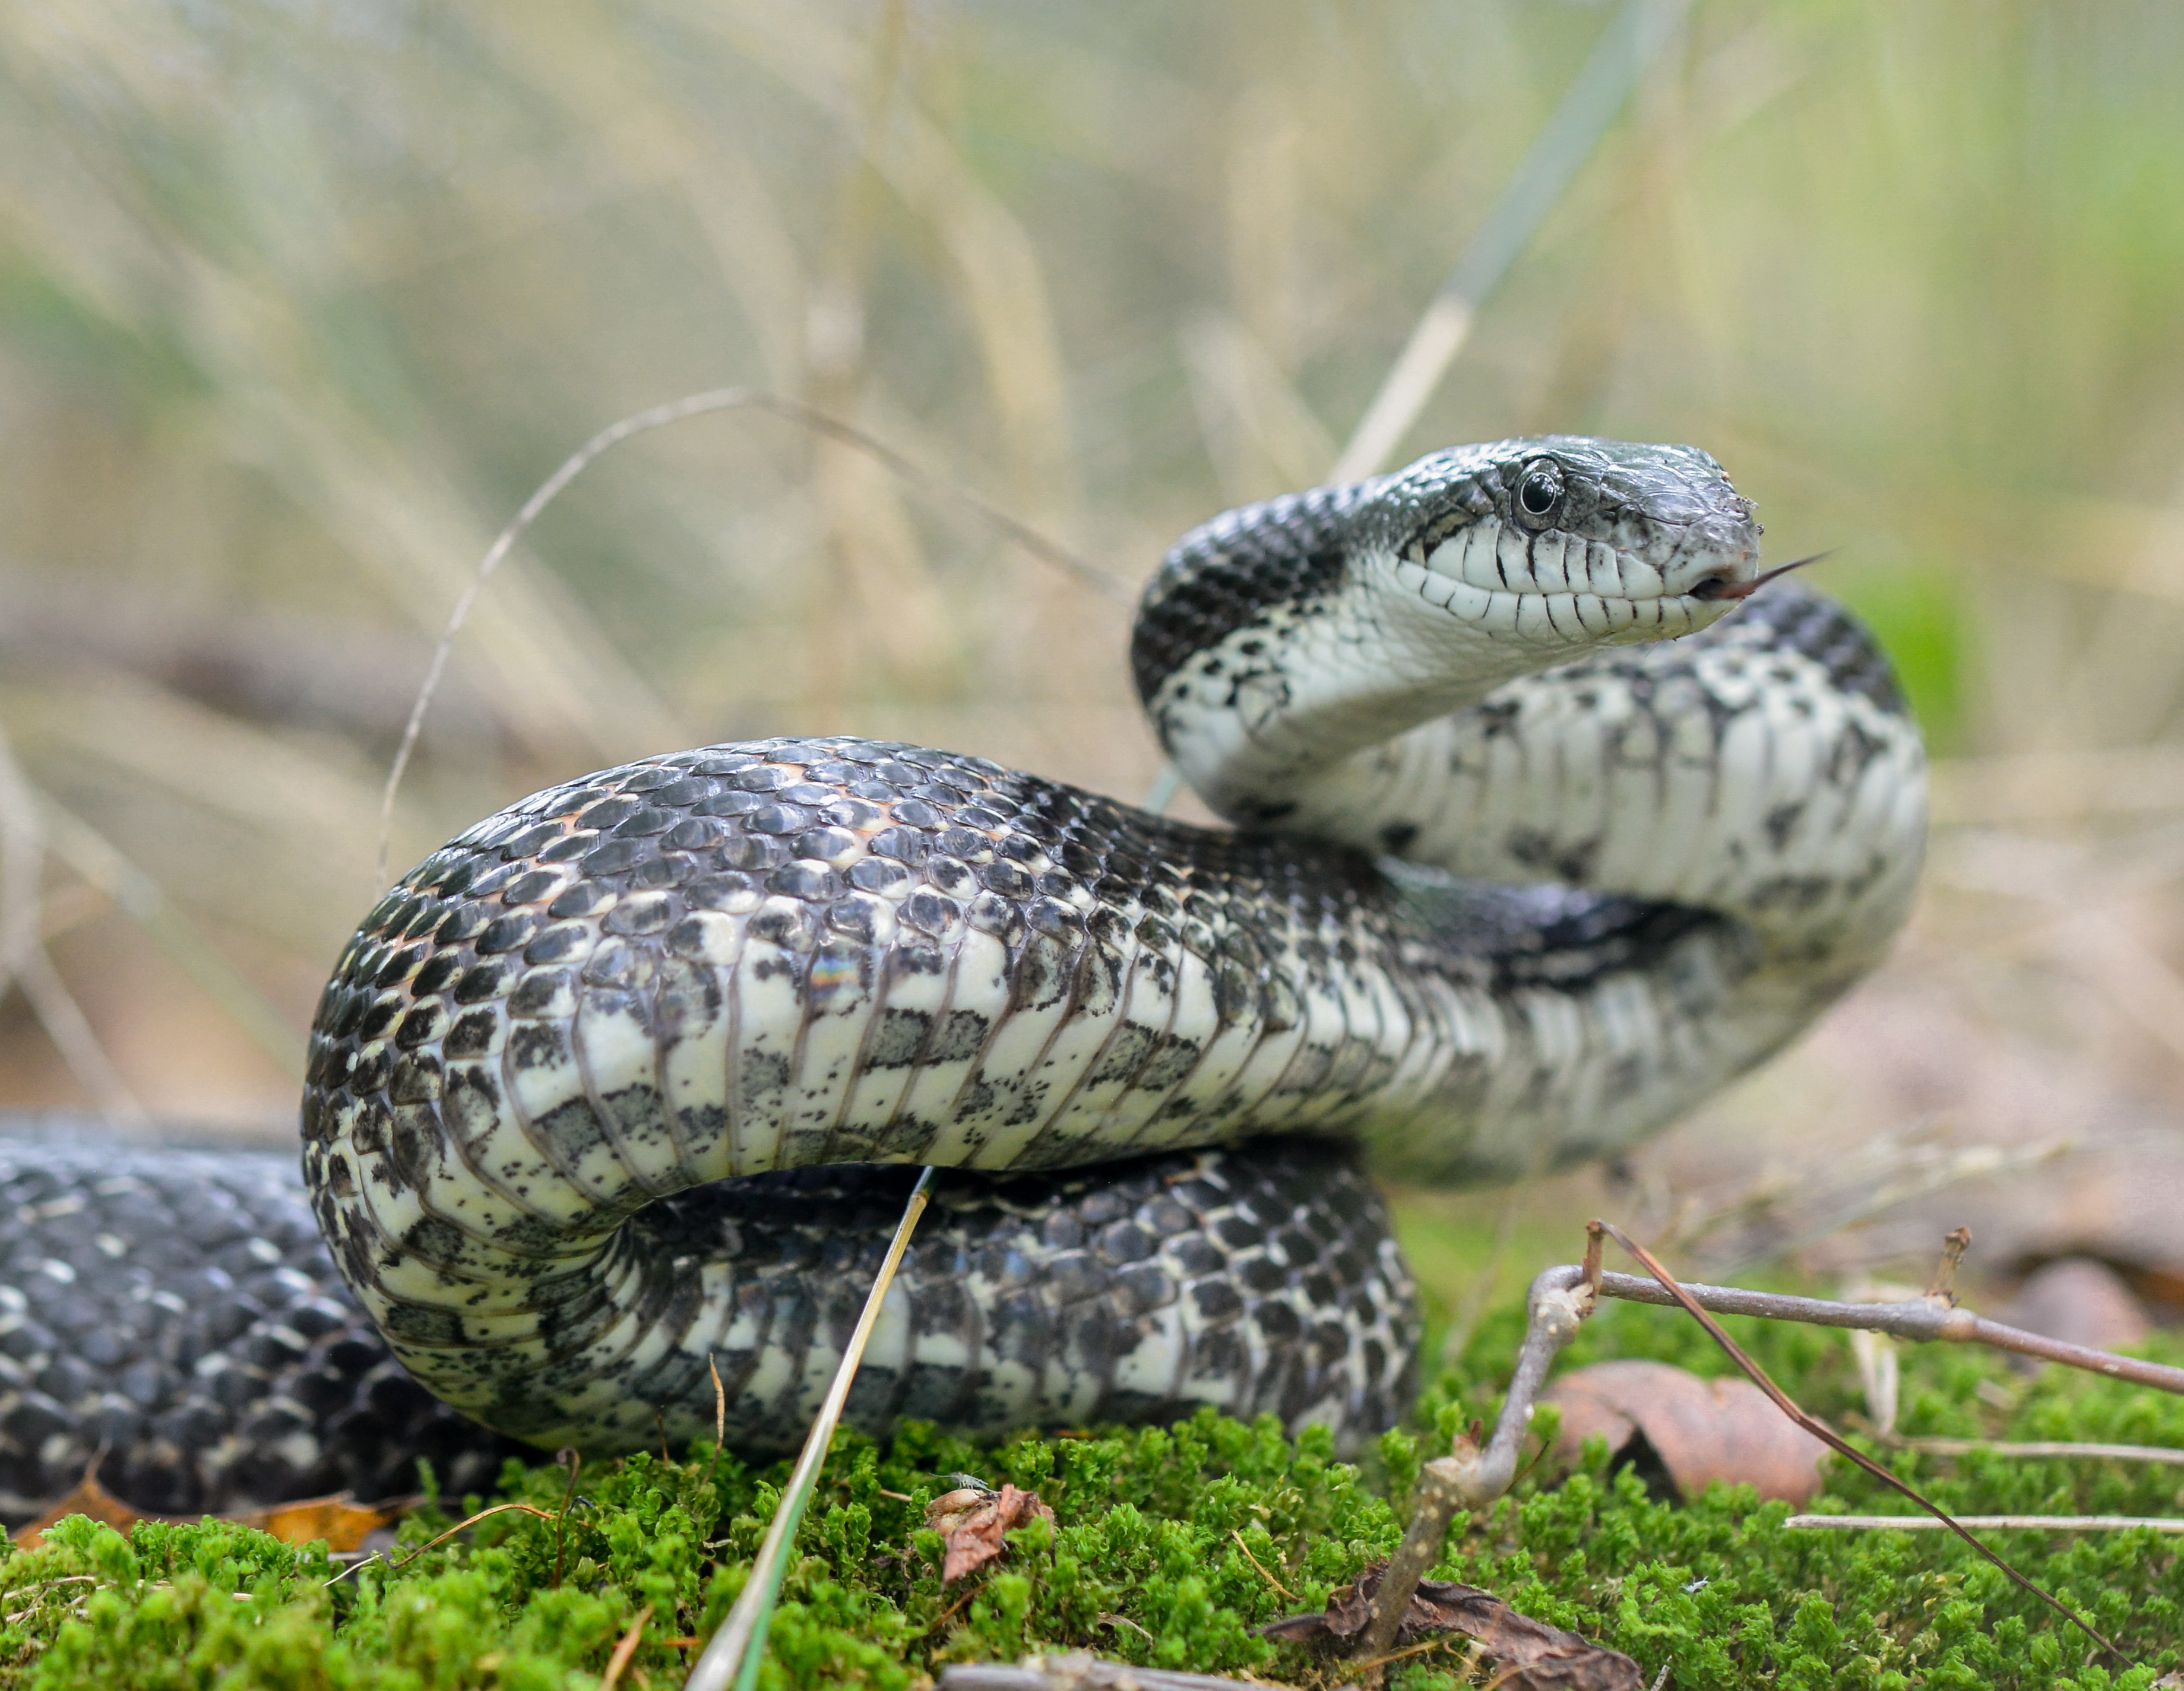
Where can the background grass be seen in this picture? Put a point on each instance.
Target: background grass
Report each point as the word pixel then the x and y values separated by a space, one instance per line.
pixel 297 303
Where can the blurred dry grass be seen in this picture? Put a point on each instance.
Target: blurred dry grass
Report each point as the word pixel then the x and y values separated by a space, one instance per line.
pixel 297 304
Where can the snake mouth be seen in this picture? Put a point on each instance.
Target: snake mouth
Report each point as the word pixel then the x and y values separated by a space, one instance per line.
pixel 1562 589
pixel 1725 586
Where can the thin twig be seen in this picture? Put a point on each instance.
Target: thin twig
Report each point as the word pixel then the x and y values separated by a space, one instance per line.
pixel 660 416
pixel 441 1538
pixel 1995 1523
pixel 575 1461
pixel 1468 1476
pixel 1924 1319
pixel 1953 1247
pixel 624 1650
pixel 2035 1449
pixel 1828 1436
pixel 733 1655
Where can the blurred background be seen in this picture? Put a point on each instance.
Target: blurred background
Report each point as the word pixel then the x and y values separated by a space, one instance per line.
pixel 299 301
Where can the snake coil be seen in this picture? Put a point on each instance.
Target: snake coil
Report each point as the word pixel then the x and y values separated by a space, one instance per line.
pixel 1536 846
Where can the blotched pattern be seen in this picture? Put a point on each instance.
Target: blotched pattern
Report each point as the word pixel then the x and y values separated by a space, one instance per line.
pixel 1534 886
pixel 174 1316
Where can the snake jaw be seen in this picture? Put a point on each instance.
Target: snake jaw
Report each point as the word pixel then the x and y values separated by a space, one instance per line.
pixel 1562 543
pixel 1560 589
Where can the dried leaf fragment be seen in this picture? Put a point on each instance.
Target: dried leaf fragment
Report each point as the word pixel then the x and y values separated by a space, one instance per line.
pixel 1534 1656
pixel 343 1523
pixel 1701 1430
pixel 2081 1300
pixel 89 1498
pixel 972 1521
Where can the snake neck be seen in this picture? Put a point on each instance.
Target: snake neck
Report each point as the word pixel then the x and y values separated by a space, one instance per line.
pixel 1766 770
pixel 1404 666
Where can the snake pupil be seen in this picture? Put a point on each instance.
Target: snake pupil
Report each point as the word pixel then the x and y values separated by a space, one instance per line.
pixel 1540 490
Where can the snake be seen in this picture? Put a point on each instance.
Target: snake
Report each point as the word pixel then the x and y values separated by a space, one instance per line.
pixel 1538 823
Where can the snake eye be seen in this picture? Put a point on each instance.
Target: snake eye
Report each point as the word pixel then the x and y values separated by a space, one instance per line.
pixel 1539 493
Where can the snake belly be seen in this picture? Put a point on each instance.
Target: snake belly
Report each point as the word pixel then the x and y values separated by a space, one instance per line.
pixel 1536 846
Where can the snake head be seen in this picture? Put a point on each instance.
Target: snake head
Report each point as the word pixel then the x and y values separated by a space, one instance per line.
pixel 1562 540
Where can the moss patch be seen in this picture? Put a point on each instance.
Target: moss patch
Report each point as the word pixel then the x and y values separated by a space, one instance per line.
pixel 1167 1549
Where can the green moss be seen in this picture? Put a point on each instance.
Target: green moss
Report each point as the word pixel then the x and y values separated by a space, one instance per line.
pixel 1166 1549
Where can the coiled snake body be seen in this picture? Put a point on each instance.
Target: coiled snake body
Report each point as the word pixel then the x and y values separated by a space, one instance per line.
pixel 1517 877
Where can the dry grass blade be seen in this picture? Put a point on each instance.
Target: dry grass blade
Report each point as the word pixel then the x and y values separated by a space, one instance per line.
pixel 733 1656
pixel 1001 287
pixel 1259 431
pixel 1626 47
pixel 105 866
pixel 658 417
pixel 23 959
pixel 1827 1435
pixel 1280 1589
pixel 619 1662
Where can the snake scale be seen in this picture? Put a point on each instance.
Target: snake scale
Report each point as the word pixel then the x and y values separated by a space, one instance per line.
pixel 1545 827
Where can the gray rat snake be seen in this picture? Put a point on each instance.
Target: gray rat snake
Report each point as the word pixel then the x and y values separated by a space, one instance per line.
pixel 1536 844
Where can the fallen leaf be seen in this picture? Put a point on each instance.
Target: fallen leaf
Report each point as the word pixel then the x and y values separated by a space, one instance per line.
pixel 1534 1656
pixel 2078 1299
pixel 89 1498
pixel 343 1523
pixel 972 1521
pixel 1701 1430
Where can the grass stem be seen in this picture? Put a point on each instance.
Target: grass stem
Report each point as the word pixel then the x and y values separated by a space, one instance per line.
pixel 733 1657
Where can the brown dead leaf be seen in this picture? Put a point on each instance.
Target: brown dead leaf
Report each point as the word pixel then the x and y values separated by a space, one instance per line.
pixel 972 1521
pixel 343 1523
pixel 1703 1430
pixel 2081 1300
pixel 89 1498
pixel 1534 1656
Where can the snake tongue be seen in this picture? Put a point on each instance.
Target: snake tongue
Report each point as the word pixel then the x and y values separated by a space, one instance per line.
pixel 1717 587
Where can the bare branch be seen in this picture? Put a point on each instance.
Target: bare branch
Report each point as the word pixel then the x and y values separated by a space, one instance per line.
pixel 1994 1523
pixel 1077 1671
pixel 1468 1476
pixel 1925 1319
pixel 1828 1436
pixel 2035 1449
